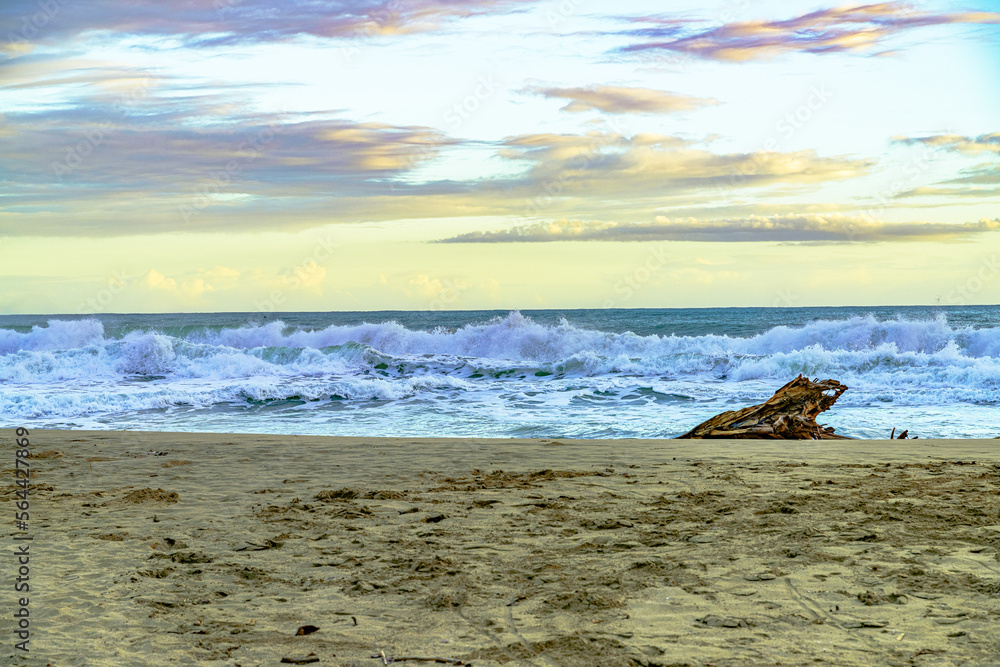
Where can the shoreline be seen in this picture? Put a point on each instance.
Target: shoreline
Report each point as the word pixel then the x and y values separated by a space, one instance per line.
pixel 509 551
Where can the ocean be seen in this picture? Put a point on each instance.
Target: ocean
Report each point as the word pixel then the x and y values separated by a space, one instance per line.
pixel 637 373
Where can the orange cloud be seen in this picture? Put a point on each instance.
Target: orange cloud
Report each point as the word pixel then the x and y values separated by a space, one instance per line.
pixel 805 228
pixel 837 30
pixel 622 99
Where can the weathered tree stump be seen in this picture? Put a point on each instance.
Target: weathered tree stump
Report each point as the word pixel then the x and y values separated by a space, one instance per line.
pixel 788 415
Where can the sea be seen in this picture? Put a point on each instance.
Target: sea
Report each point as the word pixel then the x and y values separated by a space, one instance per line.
pixel 619 373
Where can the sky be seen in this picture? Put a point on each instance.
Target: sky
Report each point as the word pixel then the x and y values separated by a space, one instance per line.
pixel 320 155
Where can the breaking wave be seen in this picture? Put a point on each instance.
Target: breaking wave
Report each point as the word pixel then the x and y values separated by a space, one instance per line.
pixel 75 368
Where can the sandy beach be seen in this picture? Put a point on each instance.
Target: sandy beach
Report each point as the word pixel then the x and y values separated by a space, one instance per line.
pixel 214 549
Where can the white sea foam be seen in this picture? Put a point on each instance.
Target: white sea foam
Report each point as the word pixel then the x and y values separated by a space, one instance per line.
pixel 75 369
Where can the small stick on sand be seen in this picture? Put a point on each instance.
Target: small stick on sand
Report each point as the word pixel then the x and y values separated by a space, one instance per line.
pixel 442 661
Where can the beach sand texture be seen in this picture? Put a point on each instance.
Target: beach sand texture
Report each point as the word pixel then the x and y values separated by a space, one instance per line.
pixel 571 553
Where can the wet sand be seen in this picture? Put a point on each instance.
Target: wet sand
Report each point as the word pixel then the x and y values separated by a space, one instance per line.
pixel 214 549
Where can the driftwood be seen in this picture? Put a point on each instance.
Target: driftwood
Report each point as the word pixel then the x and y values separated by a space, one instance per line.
pixel 788 415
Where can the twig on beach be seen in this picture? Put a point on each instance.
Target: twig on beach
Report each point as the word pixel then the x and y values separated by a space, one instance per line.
pixel 441 661
pixel 268 544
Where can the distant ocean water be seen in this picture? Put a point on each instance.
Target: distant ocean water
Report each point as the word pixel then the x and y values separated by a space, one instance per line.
pixel 643 373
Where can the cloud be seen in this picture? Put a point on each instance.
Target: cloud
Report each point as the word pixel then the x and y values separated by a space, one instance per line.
pixel 971 183
pixel 418 285
pixel 150 162
pixel 621 99
pixel 608 163
pixel 223 273
pixel 145 156
pixel 984 143
pixel 192 288
pixel 810 228
pixel 156 280
pixel 96 77
pixel 307 275
pixel 213 23
pixel 965 192
pixel 837 30
pixel 157 142
pixel 196 288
